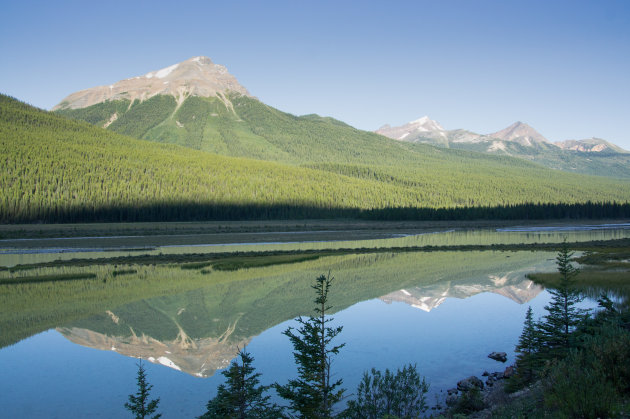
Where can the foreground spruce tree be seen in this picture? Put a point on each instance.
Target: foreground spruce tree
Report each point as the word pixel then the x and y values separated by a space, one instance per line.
pixel 563 315
pixel 527 356
pixel 313 394
pixel 241 397
pixel 139 404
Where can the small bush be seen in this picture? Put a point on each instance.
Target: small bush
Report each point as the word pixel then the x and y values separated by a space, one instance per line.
pixel 400 395
pixel 575 392
pixel 470 401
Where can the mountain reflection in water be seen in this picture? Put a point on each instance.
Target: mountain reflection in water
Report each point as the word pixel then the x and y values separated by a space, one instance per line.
pixel 203 356
pixel 427 298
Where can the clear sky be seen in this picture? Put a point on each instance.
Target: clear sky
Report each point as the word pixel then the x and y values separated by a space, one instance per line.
pixel 561 66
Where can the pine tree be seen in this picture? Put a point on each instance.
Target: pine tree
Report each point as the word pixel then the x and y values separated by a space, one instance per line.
pixel 241 397
pixel 313 394
pixel 139 404
pixel 527 359
pixel 563 316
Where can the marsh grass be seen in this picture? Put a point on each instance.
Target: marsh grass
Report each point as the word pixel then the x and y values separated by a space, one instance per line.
pixel 261 261
pixel 46 278
pixel 120 272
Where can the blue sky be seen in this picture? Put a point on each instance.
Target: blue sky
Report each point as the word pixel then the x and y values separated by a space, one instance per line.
pixel 561 66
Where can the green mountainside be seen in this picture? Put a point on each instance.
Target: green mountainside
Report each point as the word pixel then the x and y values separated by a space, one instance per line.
pixel 56 169
pixel 238 125
pixel 605 163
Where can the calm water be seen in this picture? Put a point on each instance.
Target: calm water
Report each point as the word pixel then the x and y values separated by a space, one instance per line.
pixel 444 311
pixel 48 376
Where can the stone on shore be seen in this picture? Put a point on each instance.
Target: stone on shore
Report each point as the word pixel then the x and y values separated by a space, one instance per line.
pixel 498 356
pixel 470 382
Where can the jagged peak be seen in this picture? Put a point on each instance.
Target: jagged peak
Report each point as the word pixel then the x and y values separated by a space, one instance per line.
pixel 521 133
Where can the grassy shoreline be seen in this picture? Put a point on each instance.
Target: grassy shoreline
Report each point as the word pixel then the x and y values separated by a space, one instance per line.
pixel 46 231
pixel 264 258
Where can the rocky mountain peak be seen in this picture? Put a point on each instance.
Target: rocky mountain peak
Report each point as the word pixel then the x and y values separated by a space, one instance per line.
pixel 426 124
pixel 590 145
pixel 521 133
pixel 418 127
pixel 197 76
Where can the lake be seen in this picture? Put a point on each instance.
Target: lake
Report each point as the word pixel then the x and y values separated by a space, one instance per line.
pixel 70 347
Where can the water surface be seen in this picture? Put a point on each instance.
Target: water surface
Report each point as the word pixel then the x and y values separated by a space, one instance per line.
pixel 73 345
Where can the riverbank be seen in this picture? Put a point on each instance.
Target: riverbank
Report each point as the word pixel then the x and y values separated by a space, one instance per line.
pixel 590 380
pixel 361 228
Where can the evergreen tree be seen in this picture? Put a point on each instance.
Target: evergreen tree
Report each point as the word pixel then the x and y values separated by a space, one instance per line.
pixel 139 404
pixel 527 359
pixel 563 316
pixel 313 394
pixel 242 396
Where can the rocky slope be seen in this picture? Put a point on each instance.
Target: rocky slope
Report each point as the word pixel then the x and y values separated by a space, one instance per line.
pixel 511 285
pixel 198 76
pixel 590 145
pixel 198 357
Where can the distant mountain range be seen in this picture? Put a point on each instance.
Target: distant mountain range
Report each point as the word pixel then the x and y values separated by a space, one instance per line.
pixel 426 130
pixel 593 156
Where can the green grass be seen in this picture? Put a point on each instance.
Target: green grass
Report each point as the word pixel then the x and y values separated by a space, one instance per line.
pixel 590 281
pixel 233 264
pixel 120 272
pixel 606 267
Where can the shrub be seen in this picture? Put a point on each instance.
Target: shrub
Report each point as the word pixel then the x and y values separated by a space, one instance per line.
pixel 381 395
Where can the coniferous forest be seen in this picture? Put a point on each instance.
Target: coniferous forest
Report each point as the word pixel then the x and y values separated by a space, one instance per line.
pixel 59 170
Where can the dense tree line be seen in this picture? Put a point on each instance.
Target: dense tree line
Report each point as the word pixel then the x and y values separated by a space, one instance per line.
pixel 59 170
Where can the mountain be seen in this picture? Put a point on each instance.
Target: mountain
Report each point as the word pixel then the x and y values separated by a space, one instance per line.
pixel 594 156
pixel 227 122
pixel 198 76
pixel 424 127
pixel 230 156
pixel 520 133
pixel 590 145
pixel 200 105
pixel 59 169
